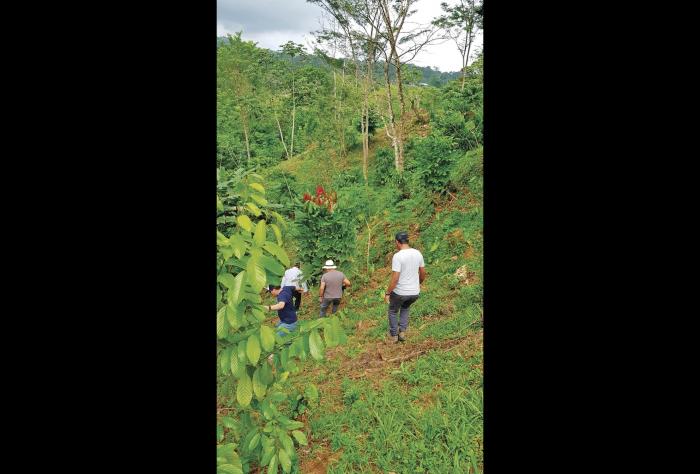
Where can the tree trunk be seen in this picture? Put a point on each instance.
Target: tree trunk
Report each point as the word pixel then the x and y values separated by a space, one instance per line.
pixel 391 128
pixel 466 58
pixel 294 107
pixel 282 136
pixel 244 121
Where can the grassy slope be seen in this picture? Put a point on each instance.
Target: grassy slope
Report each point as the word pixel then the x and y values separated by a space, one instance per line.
pixel 413 407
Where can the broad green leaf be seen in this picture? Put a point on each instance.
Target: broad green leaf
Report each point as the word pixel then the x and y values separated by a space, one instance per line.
pixel 258 187
pixel 258 314
pixel 277 232
pixel 253 348
pixel 284 357
pixel 258 386
pixel 266 374
pixel 244 390
pixel 229 423
pixel 279 218
pixel 221 239
pixel 329 335
pixel 271 264
pixel 225 279
pixel 255 274
pixel 287 443
pixel 256 176
pixel 226 252
pixel 259 199
pixel 297 348
pixel 278 397
pixel 252 297
pixel 238 245
pixel 219 204
pixel 253 208
pixel 221 331
pixel 272 468
pixel 245 222
pixel 267 455
pixel 470 125
pixel 278 252
pixel 228 452
pixel 232 316
pixel 293 425
pixel 235 366
pixel 285 462
pixel 241 351
pixel 311 392
pixel 254 442
pixel 219 433
pixel 267 337
pixel 228 469
pixel 300 437
pixel 234 294
pixel 316 345
pixel 260 233
pixel 224 359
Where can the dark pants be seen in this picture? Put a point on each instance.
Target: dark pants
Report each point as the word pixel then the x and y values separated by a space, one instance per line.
pixel 327 302
pixel 296 297
pixel 399 304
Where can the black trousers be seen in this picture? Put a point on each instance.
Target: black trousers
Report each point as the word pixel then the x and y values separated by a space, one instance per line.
pixel 296 298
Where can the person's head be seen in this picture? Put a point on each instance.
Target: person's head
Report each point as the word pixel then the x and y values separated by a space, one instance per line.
pixel 329 266
pixel 401 239
pixel 274 289
pixel 297 264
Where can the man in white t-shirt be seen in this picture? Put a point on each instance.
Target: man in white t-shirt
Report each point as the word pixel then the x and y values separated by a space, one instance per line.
pixel 408 272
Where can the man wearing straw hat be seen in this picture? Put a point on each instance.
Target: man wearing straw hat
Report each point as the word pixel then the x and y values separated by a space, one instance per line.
pixel 331 290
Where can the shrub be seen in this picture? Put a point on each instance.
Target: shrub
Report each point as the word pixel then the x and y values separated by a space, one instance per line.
pixel 433 157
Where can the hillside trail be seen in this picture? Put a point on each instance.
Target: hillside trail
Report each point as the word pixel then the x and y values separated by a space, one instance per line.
pixel 369 357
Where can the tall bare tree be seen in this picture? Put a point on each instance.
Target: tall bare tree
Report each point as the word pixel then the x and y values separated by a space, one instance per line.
pixel 461 23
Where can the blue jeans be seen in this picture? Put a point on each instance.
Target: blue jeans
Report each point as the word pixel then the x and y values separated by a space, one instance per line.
pixel 326 303
pixel 399 304
pixel 291 327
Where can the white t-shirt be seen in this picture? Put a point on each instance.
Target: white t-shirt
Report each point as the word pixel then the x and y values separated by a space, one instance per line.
pixel 291 278
pixel 407 261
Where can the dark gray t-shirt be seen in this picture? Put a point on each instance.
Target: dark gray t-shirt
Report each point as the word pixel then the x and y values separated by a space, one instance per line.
pixel 334 284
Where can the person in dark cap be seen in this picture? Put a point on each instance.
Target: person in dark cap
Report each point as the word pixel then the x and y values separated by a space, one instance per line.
pixel 284 307
pixel 407 273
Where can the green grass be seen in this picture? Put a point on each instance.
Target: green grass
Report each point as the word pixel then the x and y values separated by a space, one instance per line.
pixel 406 425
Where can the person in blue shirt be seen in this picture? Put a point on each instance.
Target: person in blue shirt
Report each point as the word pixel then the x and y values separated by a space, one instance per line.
pixel 284 307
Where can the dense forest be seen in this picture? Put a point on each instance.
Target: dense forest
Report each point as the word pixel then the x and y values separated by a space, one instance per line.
pixel 324 158
pixel 419 75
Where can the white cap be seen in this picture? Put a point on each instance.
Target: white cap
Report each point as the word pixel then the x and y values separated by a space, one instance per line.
pixel 329 265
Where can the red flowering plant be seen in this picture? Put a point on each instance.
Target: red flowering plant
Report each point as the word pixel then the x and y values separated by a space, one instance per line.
pixel 326 229
pixel 322 198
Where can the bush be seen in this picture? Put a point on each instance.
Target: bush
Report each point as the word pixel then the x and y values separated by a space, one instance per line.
pixel 433 157
pixel 468 172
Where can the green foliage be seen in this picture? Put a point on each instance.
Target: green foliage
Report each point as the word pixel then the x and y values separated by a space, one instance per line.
pixel 323 234
pixel 433 157
pixel 256 361
pixel 468 173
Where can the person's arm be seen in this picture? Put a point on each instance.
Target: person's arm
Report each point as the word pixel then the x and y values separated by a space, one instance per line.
pixel 421 274
pixel 346 282
pixel 321 290
pixel 392 285
pixel 275 307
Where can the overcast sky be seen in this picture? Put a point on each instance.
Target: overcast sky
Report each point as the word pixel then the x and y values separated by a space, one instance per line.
pixel 271 23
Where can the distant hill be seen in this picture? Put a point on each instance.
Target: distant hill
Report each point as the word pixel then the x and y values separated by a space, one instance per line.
pixel 428 75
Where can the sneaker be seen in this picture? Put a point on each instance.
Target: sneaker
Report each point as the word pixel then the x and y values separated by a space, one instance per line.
pixel 402 336
pixel 392 339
